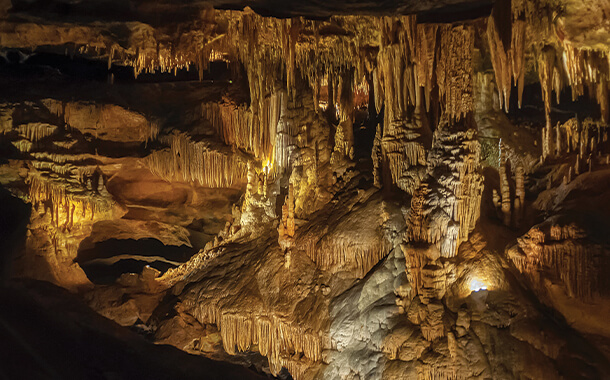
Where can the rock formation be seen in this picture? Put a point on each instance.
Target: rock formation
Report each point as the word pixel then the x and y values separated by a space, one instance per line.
pixel 316 191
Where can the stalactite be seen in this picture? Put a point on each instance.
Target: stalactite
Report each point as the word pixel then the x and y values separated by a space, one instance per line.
pixel 546 72
pixel 24 146
pixel 333 255
pixel 562 251
pixel 36 131
pixel 508 61
pixel 198 162
pixel 454 71
pixel 64 201
pixel 587 68
pixel 275 338
pixel 426 50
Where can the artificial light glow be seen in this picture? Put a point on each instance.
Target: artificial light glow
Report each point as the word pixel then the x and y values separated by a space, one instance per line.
pixel 476 285
pixel 266 166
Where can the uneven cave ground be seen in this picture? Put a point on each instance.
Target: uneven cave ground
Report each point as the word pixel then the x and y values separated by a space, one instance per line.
pixel 347 190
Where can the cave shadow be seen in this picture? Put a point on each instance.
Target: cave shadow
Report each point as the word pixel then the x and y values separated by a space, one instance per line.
pixel 14 219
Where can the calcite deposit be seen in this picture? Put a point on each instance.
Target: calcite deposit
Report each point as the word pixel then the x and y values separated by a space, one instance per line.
pixel 305 190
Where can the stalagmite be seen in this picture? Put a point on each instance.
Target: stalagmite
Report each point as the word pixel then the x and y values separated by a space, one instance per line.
pixel 377 157
pixel 496 198
pixel 519 193
pixel 448 224
pixel 505 190
pixel 287 224
pixel 446 205
pixel 344 142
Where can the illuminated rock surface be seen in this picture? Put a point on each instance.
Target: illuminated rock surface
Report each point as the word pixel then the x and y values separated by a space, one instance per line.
pixel 347 190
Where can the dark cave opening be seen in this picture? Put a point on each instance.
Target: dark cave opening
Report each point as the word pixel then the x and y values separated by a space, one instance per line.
pixel 107 260
pixel 46 60
pixel 532 107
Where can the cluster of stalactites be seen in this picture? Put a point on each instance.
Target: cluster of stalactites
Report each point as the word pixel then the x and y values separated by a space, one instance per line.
pixel 428 56
pixel 335 254
pixel 251 131
pixel 36 131
pixel 67 209
pixel 507 55
pixel 198 162
pixel 266 46
pixel 275 338
pixel 150 50
pixel 341 69
pixel 433 60
pixel 588 69
pixel 563 252
pixel 166 59
pixel 585 71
